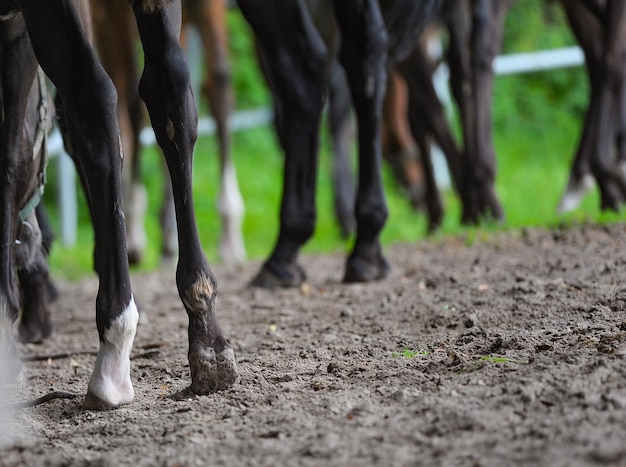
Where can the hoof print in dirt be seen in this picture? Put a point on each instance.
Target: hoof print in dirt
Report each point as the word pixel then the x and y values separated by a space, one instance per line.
pixel 362 270
pixel 211 372
pixel 274 276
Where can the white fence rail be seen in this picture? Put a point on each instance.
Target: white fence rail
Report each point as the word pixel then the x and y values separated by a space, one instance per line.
pixel 503 65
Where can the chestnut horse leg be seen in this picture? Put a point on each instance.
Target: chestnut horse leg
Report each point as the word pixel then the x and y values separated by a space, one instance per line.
pixel 117 52
pixel 210 18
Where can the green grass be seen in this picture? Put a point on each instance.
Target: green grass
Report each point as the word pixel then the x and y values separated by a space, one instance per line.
pixel 537 120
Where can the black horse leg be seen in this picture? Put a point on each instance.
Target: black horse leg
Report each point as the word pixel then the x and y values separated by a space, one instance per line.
pixel 165 87
pixel 89 97
pixel 15 55
pixel 604 163
pixel 294 58
pixel 363 55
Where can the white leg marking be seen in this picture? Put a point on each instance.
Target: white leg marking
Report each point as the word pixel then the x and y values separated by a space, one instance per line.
pixel 231 208
pixel 110 380
pixel 137 203
pixel 575 192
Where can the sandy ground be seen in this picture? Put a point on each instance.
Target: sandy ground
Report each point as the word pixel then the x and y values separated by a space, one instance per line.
pixel 510 351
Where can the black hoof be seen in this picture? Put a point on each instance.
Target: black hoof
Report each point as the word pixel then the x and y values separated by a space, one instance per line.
pixel 274 276
pixel 31 334
pixel 359 269
pixel 134 257
pixel 211 371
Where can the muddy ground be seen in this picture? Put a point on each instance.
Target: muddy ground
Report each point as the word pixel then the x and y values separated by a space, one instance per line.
pixel 510 351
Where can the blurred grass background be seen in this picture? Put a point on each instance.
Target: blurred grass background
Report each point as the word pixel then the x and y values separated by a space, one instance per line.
pixel 537 122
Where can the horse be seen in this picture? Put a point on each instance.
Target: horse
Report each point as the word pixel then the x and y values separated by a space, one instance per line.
pixel 118 56
pixel 296 60
pixel 89 116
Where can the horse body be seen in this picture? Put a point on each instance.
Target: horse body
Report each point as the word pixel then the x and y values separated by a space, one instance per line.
pixel 89 117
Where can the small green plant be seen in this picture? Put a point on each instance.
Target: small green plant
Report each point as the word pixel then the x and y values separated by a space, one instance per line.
pixel 489 358
pixel 408 353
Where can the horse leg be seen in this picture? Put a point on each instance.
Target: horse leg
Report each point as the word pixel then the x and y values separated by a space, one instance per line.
pixel 116 49
pixel 294 58
pixel 16 55
pixel 458 22
pixel 399 147
pixel 588 31
pixel 210 18
pixel 604 163
pixel 342 134
pixel 486 40
pixel 89 98
pixel 363 55
pixel 166 89
pixel 36 323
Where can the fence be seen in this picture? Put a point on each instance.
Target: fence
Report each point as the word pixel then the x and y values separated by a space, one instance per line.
pixel 241 120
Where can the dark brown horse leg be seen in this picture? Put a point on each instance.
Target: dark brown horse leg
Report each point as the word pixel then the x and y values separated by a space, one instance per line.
pixel 210 18
pixel 363 55
pixel 89 98
pixel 16 55
pixel 486 40
pixel 166 89
pixel 294 59
pixel 604 164
pixel 588 31
pixel 342 135
pixel 602 38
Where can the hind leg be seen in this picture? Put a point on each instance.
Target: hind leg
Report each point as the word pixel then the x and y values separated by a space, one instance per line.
pixel 17 55
pixel 166 89
pixel 294 58
pixel 363 56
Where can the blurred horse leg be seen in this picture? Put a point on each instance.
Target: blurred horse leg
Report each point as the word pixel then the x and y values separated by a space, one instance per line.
pixel 602 35
pixel 117 52
pixel 209 16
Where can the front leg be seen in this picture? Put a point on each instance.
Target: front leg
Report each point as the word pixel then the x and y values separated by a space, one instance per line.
pixel 89 99
pixel 165 87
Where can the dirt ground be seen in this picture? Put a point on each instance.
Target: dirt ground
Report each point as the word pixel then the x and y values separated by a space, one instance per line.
pixel 510 351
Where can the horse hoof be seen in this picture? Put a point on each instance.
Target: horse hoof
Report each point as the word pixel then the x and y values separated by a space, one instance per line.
pixel 11 369
pixel 362 270
pixel 34 334
pixel 272 276
pixel 134 256
pixel 93 402
pixel 211 372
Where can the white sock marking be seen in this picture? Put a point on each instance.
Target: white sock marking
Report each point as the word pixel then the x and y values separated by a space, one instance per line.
pixel 110 380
